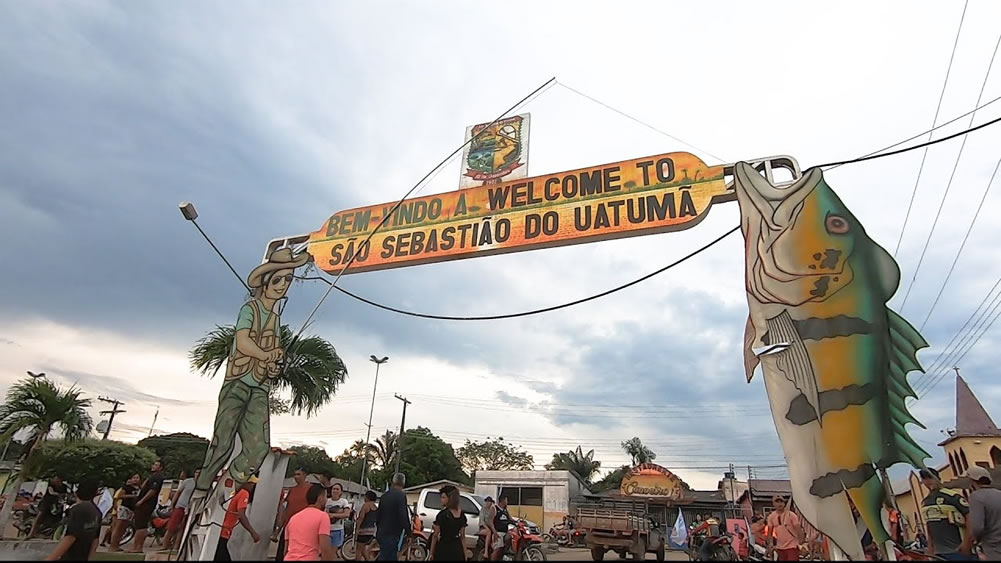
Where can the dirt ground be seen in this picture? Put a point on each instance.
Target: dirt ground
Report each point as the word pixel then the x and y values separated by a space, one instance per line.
pixel 568 554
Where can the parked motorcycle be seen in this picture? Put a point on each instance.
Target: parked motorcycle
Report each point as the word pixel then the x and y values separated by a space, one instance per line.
pixel 519 545
pixel 51 526
pixel 158 523
pixel 722 548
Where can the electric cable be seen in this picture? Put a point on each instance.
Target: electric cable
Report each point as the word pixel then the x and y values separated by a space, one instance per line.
pixel 533 311
pixel 921 134
pixel 635 281
pixel 938 108
pixel 962 245
pixel 948 185
pixel 641 122
pixel 386 216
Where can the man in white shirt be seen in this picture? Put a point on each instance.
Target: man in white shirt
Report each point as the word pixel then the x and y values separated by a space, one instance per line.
pixel 179 502
pixel 339 509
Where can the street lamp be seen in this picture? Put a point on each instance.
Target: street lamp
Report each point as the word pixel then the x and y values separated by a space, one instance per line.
pixel 36 375
pixel 189 213
pixel 368 435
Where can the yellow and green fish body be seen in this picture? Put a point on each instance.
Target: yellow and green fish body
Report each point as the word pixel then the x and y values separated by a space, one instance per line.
pixel 817 289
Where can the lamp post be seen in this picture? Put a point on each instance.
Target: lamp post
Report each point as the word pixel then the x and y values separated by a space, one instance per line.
pixel 368 435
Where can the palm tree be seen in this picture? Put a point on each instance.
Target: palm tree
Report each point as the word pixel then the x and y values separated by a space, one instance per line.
pixel 313 370
pixel 583 464
pixel 37 407
pixel 637 451
pixel 385 448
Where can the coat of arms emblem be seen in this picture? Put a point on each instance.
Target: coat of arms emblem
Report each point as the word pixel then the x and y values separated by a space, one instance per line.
pixel 498 151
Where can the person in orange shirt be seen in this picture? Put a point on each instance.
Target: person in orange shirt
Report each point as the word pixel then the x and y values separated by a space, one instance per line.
pixel 786 531
pixel 236 512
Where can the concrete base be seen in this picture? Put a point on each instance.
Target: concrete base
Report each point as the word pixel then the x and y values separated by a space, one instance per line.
pixel 26 550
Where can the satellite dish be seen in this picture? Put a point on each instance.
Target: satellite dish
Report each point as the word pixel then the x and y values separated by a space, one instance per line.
pixel 102 426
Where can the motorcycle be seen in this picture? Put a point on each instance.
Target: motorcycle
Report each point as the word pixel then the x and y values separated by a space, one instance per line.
pixel 722 550
pixel 158 523
pixel 51 526
pixel 519 545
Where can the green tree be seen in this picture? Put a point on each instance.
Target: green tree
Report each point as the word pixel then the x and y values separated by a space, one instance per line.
pixel 313 370
pixel 37 407
pixel 610 481
pixel 384 450
pixel 348 465
pixel 493 455
pixel 110 463
pixel 312 459
pixel 637 451
pixel 583 464
pixel 177 451
pixel 427 458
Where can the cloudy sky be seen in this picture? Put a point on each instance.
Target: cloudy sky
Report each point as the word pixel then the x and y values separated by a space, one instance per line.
pixel 271 120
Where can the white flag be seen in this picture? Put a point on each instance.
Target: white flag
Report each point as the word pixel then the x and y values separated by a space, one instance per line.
pixel 679 535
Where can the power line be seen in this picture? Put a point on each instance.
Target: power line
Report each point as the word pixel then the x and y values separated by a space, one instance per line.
pixel 948 185
pixel 945 358
pixel 962 245
pixel 643 123
pixel 386 216
pixel 921 134
pixel 638 280
pixel 938 108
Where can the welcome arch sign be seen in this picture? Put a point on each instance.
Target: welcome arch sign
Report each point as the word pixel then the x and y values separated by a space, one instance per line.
pixel 833 356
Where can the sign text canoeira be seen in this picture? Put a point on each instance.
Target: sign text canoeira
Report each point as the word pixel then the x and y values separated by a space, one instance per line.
pixel 666 192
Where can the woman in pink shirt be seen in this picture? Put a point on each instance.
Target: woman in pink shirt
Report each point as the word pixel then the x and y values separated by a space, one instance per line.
pixel 307 534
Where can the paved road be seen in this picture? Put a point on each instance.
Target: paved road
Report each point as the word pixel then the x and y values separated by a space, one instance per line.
pixel 566 554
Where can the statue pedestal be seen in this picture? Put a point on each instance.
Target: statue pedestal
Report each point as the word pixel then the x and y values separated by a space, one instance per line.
pixel 202 531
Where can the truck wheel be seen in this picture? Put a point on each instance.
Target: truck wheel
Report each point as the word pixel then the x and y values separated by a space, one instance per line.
pixel 597 553
pixel 640 553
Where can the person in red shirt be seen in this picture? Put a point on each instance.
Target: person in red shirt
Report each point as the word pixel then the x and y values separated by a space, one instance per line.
pixel 236 512
pixel 295 501
pixel 308 532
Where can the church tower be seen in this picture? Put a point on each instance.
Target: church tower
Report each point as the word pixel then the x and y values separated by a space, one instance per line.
pixel 976 440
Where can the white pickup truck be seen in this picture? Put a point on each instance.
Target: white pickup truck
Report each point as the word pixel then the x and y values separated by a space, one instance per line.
pixel 429 505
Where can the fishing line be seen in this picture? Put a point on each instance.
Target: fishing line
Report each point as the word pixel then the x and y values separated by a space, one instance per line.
pixel 635 281
pixel 386 216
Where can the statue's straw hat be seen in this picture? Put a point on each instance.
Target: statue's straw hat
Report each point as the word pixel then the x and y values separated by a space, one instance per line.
pixel 281 259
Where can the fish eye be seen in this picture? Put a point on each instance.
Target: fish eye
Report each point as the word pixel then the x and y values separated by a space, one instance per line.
pixel 836 225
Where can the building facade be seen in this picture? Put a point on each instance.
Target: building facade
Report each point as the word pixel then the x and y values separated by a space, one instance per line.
pixel 543 497
pixel 975 441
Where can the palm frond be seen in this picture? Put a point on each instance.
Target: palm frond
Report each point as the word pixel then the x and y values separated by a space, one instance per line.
pixel 211 352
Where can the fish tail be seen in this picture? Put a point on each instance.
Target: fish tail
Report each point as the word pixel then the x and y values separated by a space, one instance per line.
pixel 868 498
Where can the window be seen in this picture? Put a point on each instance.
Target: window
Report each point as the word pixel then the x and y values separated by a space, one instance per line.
pixel 531 496
pixel 952 464
pixel 996 456
pixel 522 496
pixel 962 458
pixel 513 495
pixel 432 500
pixel 468 507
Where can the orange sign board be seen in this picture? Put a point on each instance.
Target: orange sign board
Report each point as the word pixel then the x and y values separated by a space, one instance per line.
pixel 656 194
pixel 651 480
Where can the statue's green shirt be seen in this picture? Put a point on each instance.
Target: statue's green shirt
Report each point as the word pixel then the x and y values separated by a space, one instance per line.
pixel 245 321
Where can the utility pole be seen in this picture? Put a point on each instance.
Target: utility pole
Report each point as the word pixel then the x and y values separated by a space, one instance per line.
pixel 368 435
pixel 114 410
pixel 155 415
pixel 403 421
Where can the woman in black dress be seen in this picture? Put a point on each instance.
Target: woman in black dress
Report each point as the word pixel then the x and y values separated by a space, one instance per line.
pixel 449 541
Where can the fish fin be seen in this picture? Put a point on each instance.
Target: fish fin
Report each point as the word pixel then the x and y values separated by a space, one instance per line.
pixel 905 341
pixel 887 271
pixel 794 362
pixel 750 359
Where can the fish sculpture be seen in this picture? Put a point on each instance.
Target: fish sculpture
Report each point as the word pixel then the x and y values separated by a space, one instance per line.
pixel 834 358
